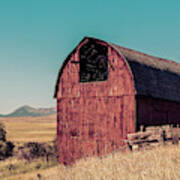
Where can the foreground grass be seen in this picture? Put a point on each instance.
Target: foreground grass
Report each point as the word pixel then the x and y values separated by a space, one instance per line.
pixel 161 163
pixel 11 168
pixel 157 164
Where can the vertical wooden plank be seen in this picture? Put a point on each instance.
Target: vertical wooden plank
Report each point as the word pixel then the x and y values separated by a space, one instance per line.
pixel 103 107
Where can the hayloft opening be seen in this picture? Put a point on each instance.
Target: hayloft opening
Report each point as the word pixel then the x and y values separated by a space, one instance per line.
pixel 93 62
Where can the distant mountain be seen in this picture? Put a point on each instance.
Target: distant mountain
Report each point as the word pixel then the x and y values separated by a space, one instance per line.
pixel 30 111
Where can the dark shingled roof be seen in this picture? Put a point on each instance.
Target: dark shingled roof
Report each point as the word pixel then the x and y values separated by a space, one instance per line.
pixel 155 77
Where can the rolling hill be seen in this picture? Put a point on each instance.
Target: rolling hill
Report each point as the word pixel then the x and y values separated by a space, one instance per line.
pixel 30 111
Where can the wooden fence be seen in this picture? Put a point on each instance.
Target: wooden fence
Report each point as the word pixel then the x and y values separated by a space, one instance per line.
pixel 153 136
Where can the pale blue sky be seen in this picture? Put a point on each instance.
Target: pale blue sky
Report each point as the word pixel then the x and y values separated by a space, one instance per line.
pixel 37 35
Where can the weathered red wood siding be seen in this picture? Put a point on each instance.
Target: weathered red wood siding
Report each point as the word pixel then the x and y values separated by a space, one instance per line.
pixel 94 118
pixel 151 111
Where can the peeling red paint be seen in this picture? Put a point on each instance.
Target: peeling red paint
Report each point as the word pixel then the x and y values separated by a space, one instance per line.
pixel 99 113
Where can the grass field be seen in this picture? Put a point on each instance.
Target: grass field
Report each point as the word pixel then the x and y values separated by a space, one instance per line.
pixel 161 163
pixel 13 168
pixel 26 129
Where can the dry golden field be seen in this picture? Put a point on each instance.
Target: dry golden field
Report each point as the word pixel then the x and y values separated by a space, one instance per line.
pixel 161 163
pixel 26 129
pixel 21 130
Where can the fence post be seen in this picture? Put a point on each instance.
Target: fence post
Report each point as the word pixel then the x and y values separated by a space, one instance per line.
pixel 163 137
pixel 175 136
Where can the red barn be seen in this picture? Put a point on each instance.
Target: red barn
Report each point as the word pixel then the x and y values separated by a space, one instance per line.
pixel 105 91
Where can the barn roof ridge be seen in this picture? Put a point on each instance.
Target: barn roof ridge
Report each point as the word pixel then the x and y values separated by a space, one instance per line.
pixel 149 60
pixel 153 76
pixel 143 58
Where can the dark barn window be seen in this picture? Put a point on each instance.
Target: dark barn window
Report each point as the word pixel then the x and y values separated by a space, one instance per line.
pixel 93 62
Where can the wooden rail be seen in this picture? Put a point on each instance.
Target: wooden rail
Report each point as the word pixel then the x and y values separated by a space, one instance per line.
pixel 153 136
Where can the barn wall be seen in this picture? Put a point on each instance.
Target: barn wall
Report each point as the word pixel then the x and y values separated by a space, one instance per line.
pixel 94 118
pixel 119 83
pixel 151 111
